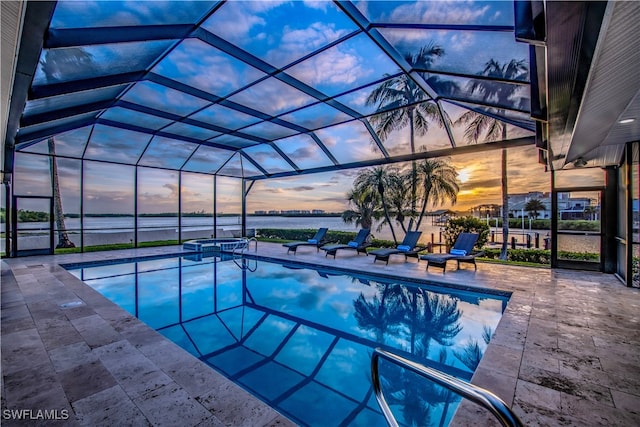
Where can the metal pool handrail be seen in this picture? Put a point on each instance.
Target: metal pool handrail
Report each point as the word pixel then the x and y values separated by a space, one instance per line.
pixel 469 391
pixel 243 245
pixel 252 239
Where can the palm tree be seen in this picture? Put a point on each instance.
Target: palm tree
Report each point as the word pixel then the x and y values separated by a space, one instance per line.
pixel 591 212
pixel 55 64
pixel 377 179
pixel 438 181
pixel 58 212
pixel 401 102
pixel 398 195
pixel 365 204
pixel 479 124
pixel 533 206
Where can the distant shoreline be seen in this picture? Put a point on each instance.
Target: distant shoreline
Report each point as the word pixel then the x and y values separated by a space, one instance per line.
pixel 201 215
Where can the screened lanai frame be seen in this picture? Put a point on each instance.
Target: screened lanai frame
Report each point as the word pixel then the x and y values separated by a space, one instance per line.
pixel 120 75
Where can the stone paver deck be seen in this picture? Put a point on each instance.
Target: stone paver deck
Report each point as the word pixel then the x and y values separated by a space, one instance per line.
pixel 566 351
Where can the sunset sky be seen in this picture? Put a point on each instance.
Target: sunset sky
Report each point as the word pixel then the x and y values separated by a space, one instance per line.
pixel 481 173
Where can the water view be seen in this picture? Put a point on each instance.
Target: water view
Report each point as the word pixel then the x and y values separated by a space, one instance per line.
pixel 112 229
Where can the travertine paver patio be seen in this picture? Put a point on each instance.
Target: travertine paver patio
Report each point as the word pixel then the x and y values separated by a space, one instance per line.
pixel 566 352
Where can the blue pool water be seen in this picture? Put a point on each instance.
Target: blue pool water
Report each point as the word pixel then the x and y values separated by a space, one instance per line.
pixel 301 338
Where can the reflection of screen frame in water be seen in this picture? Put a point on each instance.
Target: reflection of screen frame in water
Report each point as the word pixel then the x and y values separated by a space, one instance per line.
pixel 332 355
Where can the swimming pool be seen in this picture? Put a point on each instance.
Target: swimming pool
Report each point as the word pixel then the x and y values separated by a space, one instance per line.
pixel 300 338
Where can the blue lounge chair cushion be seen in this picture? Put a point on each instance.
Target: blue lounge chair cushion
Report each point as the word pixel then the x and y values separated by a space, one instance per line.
pixel 353 244
pixel 314 241
pixel 461 252
pixel 404 248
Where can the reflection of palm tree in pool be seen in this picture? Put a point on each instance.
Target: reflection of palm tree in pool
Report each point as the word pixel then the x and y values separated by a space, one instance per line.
pixel 429 317
pixel 56 64
pixel 381 315
pixel 432 317
pixel 436 319
pixel 417 397
pixel 471 353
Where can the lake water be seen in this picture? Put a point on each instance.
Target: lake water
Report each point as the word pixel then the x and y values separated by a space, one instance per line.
pixel 109 230
pixel 120 229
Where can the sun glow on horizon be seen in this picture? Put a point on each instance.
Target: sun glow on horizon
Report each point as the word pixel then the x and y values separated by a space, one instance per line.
pixel 464 175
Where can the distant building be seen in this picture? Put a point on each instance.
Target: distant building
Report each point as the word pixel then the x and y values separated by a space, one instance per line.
pixel 441 216
pixel 296 212
pixel 525 197
pixel 488 210
pixel 579 208
pixel 518 209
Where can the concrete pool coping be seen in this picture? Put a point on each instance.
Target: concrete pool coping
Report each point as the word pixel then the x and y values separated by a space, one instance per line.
pixel 566 351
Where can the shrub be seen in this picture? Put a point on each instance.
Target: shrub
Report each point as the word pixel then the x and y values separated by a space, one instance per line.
pixel 578 256
pixel 545 224
pixel 579 225
pixel 534 256
pixel 297 235
pixel 539 256
pixel 466 224
pixel 279 234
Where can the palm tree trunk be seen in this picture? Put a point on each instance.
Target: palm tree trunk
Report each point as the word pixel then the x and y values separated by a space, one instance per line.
pixel 386 215
pixel 414 167
pixel 386 211
pixel 505 207
pixel 423 209
pixel 58 212
pixel 404 228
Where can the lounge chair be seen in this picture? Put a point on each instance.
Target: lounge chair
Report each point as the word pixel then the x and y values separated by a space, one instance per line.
pixel 317 241
pixel 359 244
pixel 409 248
pixel 462 251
